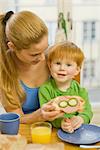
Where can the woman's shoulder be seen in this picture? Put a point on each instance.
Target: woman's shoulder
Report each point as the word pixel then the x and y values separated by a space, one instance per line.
pixel 48 84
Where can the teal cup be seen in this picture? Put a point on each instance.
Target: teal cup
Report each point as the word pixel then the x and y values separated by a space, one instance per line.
pixel 9 123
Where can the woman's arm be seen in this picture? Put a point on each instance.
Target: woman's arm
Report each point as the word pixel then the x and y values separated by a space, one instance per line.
pixel 35 116
pixel 45 113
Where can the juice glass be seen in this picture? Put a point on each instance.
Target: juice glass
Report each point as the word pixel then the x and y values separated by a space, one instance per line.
pixel 41 132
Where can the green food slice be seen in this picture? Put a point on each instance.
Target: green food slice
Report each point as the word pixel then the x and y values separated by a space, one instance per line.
pixel 72 102
pixel 63 104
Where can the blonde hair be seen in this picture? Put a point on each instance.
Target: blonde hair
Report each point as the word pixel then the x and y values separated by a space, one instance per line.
pixel 66 50
pixel 22 29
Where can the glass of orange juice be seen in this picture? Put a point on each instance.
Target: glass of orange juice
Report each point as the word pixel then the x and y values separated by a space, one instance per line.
pixel 41 132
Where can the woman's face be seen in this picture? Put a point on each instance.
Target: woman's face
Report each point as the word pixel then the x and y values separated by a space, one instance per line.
pixel 35 53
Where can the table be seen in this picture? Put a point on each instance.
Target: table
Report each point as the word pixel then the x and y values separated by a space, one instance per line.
pixel 25 131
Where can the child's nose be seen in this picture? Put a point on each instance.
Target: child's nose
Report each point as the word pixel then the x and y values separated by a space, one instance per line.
pixel 62 67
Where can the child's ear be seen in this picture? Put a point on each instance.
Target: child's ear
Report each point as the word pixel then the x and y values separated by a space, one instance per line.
pixel 77 71
pixel 49 65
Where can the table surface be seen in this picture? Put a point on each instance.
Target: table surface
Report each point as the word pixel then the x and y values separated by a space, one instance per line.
pixel 25 131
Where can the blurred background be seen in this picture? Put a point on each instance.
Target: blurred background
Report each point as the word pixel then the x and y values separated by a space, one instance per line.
pixel 75 20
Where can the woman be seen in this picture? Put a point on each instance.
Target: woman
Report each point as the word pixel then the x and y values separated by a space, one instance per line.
pixel 23 41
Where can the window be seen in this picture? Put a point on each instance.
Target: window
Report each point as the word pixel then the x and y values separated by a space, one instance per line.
pixel 89 69
pixel 85 31
pixel 93 30
pixel 89 30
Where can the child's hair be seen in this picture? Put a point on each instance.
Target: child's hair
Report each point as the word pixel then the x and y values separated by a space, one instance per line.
pixel 66 50
pixel 22 29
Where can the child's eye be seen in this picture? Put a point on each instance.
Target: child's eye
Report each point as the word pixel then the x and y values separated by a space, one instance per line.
pixel 68 65
pixel 58 63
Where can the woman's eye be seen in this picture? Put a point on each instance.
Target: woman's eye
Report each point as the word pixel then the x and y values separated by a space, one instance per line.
pixel 34 55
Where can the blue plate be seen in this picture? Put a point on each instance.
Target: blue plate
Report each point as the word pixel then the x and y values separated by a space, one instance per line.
pixel 86 134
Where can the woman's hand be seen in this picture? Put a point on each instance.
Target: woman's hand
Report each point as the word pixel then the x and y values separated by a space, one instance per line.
pixel 49 113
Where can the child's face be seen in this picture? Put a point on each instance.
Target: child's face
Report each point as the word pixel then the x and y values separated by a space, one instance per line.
pixel 63 70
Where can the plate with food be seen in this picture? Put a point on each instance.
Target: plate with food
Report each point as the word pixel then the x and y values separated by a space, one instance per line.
pixel 86 134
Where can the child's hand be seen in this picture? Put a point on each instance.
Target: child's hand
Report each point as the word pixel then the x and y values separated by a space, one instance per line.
pixel 66 125
pixel 69 125
pixel 76 122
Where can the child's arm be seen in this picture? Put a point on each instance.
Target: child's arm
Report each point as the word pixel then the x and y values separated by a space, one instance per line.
pixel 87 113
pixel 48 110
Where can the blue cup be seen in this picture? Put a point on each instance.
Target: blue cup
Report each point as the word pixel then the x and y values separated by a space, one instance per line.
pixel 9 123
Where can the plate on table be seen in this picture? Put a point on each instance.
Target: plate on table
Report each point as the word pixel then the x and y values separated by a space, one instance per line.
pixel 86 134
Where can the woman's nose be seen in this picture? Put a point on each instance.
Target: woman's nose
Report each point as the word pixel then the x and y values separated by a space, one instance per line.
pixel 42 57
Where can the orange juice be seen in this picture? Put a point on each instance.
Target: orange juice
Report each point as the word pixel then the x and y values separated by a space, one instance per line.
pixel 41 134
